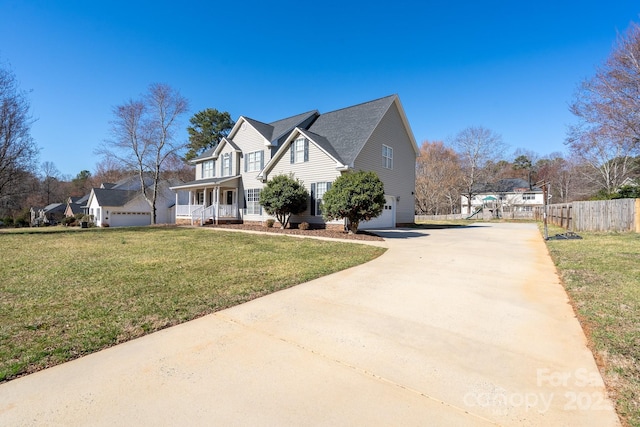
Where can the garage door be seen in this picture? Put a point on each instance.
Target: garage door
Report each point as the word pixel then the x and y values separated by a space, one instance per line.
pixel 130 219
pixel 386 219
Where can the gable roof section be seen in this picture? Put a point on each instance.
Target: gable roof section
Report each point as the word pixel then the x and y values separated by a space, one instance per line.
pixel 507 185
pixel 262 128
pixel 114 197
pixel 223 142
pixel 282 128
pixel 320 141
pixel 323 143
pixel 349 129
pixel 54 207
pixel 276 132
pixel 343 133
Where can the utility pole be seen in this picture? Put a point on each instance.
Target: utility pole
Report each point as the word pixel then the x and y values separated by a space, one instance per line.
pixel 545 195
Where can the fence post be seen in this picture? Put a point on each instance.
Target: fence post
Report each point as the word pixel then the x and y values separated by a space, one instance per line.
pixel 636 216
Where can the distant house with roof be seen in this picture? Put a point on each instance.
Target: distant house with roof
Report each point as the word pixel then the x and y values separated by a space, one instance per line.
pixel 313 147
pixel 51 214
pixel 76 205
pixel 123 205
pixel 504 195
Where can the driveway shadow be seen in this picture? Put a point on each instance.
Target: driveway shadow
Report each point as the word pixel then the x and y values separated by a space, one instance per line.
pixel 443 226
pixel 399 233
pixel 412 232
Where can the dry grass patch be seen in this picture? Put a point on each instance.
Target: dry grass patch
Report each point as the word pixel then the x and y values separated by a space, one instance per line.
pixel 66 294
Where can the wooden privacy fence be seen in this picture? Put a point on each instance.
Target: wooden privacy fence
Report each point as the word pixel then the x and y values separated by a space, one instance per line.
pixel 599 215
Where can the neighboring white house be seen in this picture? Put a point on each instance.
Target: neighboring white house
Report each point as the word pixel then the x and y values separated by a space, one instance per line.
pixel 315 148
pixel 124 205
pixel 505 195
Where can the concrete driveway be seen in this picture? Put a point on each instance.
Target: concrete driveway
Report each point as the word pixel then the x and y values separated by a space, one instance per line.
pixel 459 326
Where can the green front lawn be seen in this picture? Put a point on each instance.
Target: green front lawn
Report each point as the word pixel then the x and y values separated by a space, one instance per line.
pixel 64 294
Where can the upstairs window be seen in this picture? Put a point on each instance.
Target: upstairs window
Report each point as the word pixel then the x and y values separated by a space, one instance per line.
pixel 208 169
pixel 226 164
pixel 300 150
pixel 254 162
pixel 387 157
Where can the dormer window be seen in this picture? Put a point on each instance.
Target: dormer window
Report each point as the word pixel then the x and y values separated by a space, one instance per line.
pixel 300 150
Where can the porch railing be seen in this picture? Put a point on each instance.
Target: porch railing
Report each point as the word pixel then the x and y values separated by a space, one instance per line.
pixel 186 210
pixel 228 211
pixel 200 213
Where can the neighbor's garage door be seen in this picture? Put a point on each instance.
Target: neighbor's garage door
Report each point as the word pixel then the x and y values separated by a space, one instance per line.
pixel 130 219
pixel 386 219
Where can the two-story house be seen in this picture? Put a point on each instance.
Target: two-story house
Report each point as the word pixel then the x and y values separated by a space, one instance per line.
pixel 504 195
pixel 315 148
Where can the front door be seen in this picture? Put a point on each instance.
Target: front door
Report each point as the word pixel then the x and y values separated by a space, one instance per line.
pixel 229 197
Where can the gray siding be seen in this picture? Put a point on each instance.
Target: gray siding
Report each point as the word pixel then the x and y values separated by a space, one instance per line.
pixel 400 181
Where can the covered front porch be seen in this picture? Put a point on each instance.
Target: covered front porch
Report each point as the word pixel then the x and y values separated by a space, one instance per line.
pixel 207 201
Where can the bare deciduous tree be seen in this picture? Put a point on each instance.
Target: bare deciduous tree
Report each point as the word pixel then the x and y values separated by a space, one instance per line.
pixel 144 136
pixel 51 184
pixel 108 170
pixel 18 151
pixel 477 148
pixel 607 136
pixel 438 177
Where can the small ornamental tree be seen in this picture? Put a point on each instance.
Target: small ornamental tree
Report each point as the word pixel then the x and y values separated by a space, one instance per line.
pixel 284 196
pixel 357 196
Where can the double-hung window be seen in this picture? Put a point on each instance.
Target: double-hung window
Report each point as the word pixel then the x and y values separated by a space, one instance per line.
pixel 226 164
pixel 254 161
pixel 387 157
pixel 252 197
pixel 208 169
pixel 317 193
pixel 300 150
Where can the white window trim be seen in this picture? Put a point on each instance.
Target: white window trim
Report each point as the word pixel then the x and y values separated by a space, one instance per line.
pixel 387 157
pixel 210 171
pixel 226 164
pixel 317 197
pixel 253 202
pixel 299 150
pixel 254 161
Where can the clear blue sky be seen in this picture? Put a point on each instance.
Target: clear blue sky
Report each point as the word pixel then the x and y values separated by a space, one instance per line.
pixel 510 66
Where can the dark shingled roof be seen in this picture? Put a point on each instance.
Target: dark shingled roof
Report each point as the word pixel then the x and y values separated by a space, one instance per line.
pixel 348 129
pixel 324 144
pixel 507 185
pixel 282 128
pixel 114 197
pixel 341 133
pixel 264 129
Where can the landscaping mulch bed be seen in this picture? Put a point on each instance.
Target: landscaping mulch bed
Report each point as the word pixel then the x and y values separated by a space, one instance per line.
pixel 329 233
